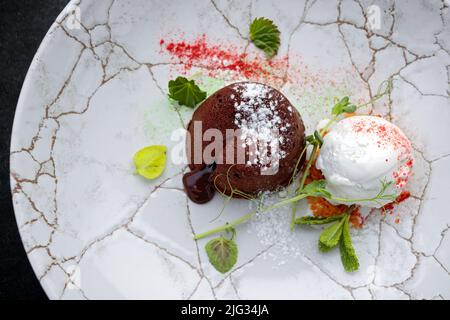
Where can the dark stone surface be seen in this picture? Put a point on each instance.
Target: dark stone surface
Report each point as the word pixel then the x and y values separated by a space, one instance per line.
pixel 23 25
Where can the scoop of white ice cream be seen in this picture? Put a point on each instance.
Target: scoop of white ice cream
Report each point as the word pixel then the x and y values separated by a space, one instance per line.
pixel 361 151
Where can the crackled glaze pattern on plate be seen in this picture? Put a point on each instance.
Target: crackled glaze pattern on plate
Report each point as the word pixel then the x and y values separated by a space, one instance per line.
pixel 96 94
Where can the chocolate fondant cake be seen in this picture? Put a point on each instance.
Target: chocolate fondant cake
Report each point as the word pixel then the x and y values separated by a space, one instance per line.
pixel 267 127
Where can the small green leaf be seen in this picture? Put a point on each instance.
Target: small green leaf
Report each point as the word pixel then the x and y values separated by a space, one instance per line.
pixel 330 236
pixel 318 137
pixel 349 109
pixel 323 248
pixel 348 254
pixel 150 161
pixel 222 253
pixel 339 107
pixel 310 139
pixel 310 220
pixel 317 188
pixel 316 184
pixel 315 139
pixel 265 35
pixel 186 92
pixel 344 101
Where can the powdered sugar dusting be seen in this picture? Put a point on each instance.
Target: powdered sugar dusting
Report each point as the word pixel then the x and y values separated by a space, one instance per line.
pixel 273 228
pixel 258 118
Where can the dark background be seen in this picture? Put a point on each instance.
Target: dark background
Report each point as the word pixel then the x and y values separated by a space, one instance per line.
pixel 23 25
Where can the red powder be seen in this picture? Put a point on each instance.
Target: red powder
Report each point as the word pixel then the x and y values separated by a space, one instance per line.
pixel 387 136
pixel 388 207
pixel 409 163
pixel 224 58
pixel 391 206
pixel 401 197
pixel 230 63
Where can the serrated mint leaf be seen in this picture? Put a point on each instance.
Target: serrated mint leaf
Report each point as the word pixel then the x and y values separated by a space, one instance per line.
pixel 222 253
pixel 265 36
pixel 348 254
pixel 186 92
pixel 311 220
pixel 150 161
pixel 330 236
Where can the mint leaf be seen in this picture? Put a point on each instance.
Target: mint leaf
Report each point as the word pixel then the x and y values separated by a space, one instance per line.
pixel 265 35
pixel 222 253
pixel 323 248
pixel 330 237
pixel 150 161
pixel 317 188
pixel 186 92
pixel 310 220
pixel 348 254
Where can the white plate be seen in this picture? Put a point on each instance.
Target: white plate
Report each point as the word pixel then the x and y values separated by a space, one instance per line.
pixel 96 92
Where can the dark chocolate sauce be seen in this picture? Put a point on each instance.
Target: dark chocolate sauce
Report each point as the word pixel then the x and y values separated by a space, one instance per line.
pixel 199 185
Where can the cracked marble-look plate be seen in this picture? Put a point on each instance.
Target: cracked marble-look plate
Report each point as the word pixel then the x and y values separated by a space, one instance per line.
pixel 96 92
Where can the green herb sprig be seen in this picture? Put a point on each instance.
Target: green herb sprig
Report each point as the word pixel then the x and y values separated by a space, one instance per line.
pixel 338 232
pixel 341 107
pixel 306 192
